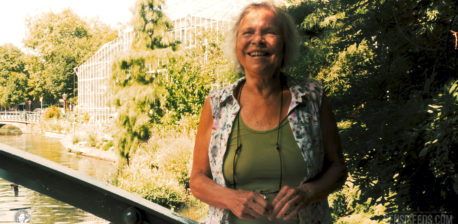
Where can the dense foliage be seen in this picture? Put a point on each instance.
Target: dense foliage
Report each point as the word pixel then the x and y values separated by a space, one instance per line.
pixel 390 69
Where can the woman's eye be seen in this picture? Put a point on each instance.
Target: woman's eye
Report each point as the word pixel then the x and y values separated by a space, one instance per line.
pixel 272 32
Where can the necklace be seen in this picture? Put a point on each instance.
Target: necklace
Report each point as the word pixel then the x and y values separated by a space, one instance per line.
pixel 277 145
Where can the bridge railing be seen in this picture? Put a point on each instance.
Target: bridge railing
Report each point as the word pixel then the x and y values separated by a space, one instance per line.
pixel 20 116
pixel 77 189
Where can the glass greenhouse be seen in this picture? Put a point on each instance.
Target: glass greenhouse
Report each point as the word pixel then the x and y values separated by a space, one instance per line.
pixel 190 18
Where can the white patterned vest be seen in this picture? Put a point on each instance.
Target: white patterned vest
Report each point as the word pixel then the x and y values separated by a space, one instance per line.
pixel 303 116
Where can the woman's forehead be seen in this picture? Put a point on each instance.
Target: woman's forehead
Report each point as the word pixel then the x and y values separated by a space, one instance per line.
pixel 259 16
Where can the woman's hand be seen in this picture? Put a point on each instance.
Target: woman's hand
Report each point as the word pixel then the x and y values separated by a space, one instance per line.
pixel 289 201
pixel 248 205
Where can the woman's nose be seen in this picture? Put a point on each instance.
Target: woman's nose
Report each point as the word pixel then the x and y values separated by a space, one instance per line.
pixel 258 39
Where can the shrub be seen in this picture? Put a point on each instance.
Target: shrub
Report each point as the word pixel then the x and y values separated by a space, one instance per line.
pixel 107 145
pixel 52 112
pixel 76 139
pixel 159 171
pixel 86 117
pixel 346 207
pixel 93 140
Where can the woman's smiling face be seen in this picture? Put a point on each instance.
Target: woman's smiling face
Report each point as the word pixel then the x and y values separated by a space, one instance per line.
pixel 259 42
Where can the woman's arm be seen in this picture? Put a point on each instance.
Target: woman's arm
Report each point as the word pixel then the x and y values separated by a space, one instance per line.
pixel 336 173
pixel 244 204
pixel 292 199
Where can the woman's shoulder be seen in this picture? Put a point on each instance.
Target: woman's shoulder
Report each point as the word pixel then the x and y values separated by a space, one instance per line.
pixel 223 97
pixel 306 88
pixel 306 84
pixel 221 94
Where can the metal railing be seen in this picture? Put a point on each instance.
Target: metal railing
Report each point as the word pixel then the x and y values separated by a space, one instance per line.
pixel 20 116
pixel 82 191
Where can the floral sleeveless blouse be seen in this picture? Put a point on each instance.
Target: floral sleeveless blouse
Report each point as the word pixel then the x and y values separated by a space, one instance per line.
pixel 303 116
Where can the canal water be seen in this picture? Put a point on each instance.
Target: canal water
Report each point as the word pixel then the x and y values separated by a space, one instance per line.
pixel 41 208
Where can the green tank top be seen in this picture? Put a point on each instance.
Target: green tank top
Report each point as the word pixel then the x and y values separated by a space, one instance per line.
pixel 258 163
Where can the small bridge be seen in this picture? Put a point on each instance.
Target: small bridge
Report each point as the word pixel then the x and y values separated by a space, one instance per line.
pixel 23 120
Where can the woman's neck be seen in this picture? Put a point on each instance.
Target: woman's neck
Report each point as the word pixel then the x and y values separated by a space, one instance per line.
pixel 263 85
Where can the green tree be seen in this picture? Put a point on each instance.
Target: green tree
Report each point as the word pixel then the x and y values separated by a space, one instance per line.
pixel 62 41
pixel 151 25
pixel 390 70
pixel 138 104
pixel 13 78
pixel 36 85
pixel 15 90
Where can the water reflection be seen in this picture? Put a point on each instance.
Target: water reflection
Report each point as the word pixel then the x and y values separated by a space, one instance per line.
pixel 44 209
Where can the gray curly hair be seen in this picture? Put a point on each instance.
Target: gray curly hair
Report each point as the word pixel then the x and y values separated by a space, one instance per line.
pixel 288 31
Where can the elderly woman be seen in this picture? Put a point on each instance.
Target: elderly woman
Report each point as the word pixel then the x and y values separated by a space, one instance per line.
pixel 267 148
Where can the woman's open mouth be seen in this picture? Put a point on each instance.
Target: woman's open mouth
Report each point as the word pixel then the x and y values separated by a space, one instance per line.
pixel 258 54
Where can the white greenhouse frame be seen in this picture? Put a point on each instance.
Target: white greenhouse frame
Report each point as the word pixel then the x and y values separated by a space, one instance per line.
pixel 94 76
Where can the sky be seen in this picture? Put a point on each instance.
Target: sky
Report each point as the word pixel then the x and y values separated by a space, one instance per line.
pixel 115 13
pixel 14 12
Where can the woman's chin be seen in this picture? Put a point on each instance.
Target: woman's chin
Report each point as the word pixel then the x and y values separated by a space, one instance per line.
pixel 261 69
